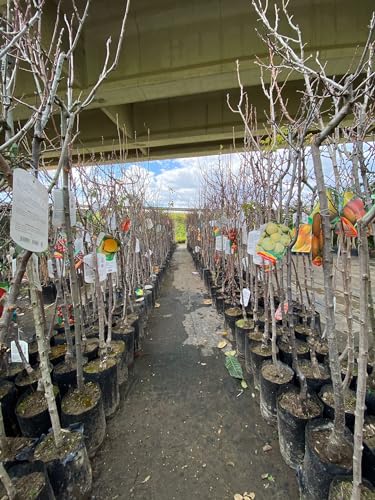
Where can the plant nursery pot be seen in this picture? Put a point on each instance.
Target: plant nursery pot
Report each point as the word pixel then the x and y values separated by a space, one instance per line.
pixel 326 395
pixel 16 449
pixel 31 481
pixel 64 375
pixel 317 471
pixel 341 489
pixel 32 413
pixel 90 349
pixel 33 353
pixel 8 398
pixel 219 303
pixel 126 333
pixel 136 321
pixel 370 401
pixel 86 407
pixel 232 314
pixel 302 332
pixel 292 417
pixel 24 382
pixel 118 351
pixel 272 379
pixel 57 354
pixel 315 380
pixel 68 467
pixel 368 456
pixel 321 350
pixel 250 338
pixel 285 349
pixel 12 371
pixel 242 327
pixel 105 374
pixel 60 339
pixel 258 354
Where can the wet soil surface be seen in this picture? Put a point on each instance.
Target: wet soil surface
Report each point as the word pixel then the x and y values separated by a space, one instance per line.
pixel 186 430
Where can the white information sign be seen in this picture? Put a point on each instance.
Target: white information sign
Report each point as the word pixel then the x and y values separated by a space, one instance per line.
pixel 89 270
pixel 137 246
pixel 15 356
pixel 29 221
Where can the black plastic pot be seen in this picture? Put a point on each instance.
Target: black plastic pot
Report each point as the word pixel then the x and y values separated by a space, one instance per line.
pixel 242 328
pixel 231 315
pixel 219 303
pixel 8 398
pixel 105 374
pixel 119 353
pixel 341 489
pixel 33 353
pixel 285 349
pixel 36 424
pixel 90 349
pixel 90 415
pixel 257 356
pixel 65 376
pixel 127 335
pixel 329 411
pixel 25 382
pixel 21 472
pixel 370 401
pixel 315 383
pixel 270 386
pixel 70 472
pixel 291 423
pixel 368 456
pixel 316 474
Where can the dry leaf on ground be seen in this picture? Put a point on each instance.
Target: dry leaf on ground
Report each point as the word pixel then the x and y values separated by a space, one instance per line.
pixel 222 344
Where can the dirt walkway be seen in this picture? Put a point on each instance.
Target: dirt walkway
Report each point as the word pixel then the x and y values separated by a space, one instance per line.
pixel 184 432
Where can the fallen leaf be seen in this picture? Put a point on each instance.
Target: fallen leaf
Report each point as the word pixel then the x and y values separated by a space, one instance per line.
pixel 230 353
pixel 203 364
pixel 231 464
pixel 145 479
pixel 244 384
pixel 222 344
pixel 265 476
pixel 267 447
pixel 157 305
pixel 251 495
pixel 237 496
pixel 224 334
pixel 207 302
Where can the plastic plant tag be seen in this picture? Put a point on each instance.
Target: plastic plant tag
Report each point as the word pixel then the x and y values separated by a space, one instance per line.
pixel 149 224
pixel 244 234
pixel 226 245
pixel 111 222
pixel 35 263
pixel 15 356
pixel 278 313
pixel 60 268
pixel 58 216
pixel 219 243
pixel 197 249
pixel 89 267
pixel 111 265
pixel 14 267
pixel 137 246
pixel 29 220
pixel 245 263
pixel 252 240
pixel 245 296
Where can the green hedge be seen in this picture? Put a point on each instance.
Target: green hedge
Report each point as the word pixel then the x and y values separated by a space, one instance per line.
pixel 179 221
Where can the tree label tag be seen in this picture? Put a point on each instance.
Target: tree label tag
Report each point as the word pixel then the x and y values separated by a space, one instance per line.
pixel 15 356
pixel 29 220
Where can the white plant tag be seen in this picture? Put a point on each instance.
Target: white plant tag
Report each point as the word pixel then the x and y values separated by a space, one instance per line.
pixel 14 267
pixel 149 224
pixel 15 355
pixel 244 234
pixel 226 245
pixel 137 246
pixel 58 216
pixel 197 249
pixel 111 222
pixel 89 270
pixel 245 263
pixel 29 220
pixel 35 263
pixel 219 243
pixel 111 265
pixel 59 268
pixel 245 296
